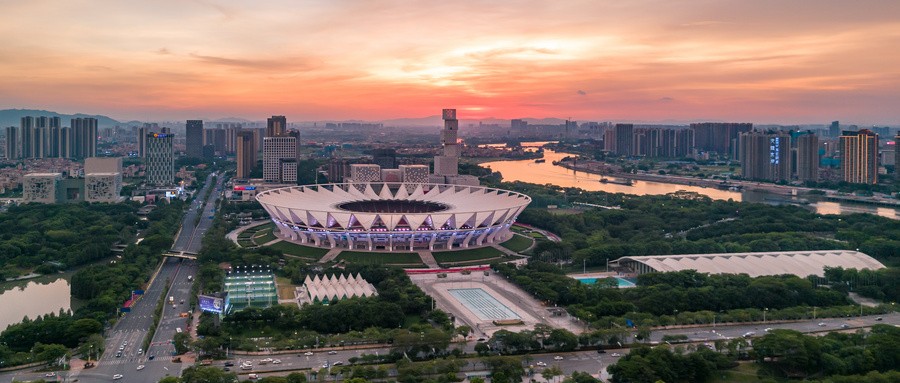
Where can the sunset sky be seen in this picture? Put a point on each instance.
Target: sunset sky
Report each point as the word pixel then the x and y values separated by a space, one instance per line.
pixel 759 61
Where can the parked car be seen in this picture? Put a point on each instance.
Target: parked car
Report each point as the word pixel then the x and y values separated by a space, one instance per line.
pixel 558 357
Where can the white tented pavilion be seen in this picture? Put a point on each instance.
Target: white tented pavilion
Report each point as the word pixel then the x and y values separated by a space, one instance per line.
pixel 333 288
pixel 799 263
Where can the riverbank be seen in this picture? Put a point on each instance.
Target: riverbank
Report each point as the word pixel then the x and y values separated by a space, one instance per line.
pixel 784 190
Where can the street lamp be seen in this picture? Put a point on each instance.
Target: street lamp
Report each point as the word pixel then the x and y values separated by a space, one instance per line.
pixel 765 310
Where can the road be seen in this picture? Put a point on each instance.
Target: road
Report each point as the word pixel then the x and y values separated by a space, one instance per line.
pixel 171 281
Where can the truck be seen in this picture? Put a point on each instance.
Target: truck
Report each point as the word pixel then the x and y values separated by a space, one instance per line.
pixel 172 300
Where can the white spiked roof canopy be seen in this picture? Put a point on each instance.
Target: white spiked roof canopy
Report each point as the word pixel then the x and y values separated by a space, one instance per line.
pixel 319 205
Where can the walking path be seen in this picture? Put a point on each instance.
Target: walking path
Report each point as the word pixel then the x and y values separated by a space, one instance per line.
pixel 428 259
pixel 233 235
pixel 330 255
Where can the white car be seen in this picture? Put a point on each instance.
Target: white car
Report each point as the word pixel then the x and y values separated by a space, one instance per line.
pixel 50 374
pixel 768 329
pixel 332 352
pixel 267 360
pixel 117 376
pixel 821 324
pixel 557 357
pixel 541 364
pixel 308 353
pixel 616 354
pixel 141 367
pixel 276 361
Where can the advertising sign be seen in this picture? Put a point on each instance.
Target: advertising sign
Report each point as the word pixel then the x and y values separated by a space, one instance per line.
pixel 211 304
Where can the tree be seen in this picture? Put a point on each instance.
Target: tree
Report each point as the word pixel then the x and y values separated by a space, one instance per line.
pixel 182 342
pixel 551 372
pixel 203 374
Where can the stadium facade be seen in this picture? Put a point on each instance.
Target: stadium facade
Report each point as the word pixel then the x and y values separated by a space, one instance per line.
pixel 393 216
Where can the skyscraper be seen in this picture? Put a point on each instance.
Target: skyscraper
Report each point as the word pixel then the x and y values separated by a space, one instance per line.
pixel 160 159
pixel 194 138
pixel 897 158
pixel 83 140
pixel 276 126
pixel 835 129
pixel 718 137
pixel 859 157
pixel 12 143
pixel 246 154
pixel 625 139
pixel 279 157
pixel 447 164
pixel 808 157
pixel 765 155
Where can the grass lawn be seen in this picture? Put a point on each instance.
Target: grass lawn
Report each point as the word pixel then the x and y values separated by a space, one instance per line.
pixel 518 243
pixel 362 257
pixel 245 242
pixel 311 253
pixel 743 373
pixel 479 262
pixel 285 288
pixel 264 236
pixel 467 255
pixel 535 234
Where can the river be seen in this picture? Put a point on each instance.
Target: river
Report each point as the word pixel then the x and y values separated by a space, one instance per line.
pixel 546 172
pixel 34 297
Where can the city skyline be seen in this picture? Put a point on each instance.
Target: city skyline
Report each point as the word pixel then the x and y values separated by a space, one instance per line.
pixel 765 62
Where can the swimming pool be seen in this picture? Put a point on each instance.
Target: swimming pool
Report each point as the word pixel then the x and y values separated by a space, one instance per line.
pixel 482 304
pixel 623 282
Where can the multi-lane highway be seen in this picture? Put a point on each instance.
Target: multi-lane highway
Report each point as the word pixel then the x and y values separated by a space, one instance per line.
pixel 132 328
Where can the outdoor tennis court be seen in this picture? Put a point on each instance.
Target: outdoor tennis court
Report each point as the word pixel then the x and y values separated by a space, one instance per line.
pixel 485 306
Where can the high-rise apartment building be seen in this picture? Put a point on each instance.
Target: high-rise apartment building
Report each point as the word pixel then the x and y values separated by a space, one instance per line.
pixel 276 126
pixel 859 156
pixel 12 151
pixel 386 158
pixel 834 130
pixel 518 125
pixel 193 138
pixel 765 155
pixel 246 154
pixel 718 137
pixel 279 156
pixel 160 159
pixel 808 157
pixel 447 164
pixel 897 158
pixel 83 137
pixel 625 139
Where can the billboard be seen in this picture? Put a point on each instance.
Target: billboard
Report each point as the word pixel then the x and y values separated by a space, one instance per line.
pixel 240 188
pixel 211 304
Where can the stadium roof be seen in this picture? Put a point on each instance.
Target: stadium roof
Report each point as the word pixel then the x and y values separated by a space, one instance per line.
pixel 800 263
pixel 334 288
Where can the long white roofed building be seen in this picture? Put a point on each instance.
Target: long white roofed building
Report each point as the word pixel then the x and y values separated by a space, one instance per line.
pixel 334 288
pixel 799 263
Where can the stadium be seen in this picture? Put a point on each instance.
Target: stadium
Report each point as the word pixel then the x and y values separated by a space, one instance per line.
pixel 384 216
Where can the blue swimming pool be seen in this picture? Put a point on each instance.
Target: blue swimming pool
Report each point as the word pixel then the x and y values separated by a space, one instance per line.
pixel 623 282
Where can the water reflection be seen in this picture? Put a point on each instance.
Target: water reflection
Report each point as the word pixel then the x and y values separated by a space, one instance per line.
pixel 33 298
pixel 547 173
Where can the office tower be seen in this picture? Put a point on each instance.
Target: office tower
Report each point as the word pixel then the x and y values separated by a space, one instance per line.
pixel 859 156
pixel 448 163
pixel 835 129
pixel 808 157
pixel 246 154
pixel 518 125
pixel 193 138
pixel 896 158
pixel 417 174
pixel 83 140
pixel 27 137
pixel 386 158
pixel 12 143
pixel 625 139
pixel 338 169
pixel 160 159
pixel 765 155
pixel 278 154
pixel 364 173
pixel 718 137
pixel 142 141
pixel 276 126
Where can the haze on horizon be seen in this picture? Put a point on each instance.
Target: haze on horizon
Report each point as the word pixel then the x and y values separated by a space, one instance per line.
pixel 762 61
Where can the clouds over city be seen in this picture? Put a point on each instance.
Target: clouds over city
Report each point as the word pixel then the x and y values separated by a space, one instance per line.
pixel 762 61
